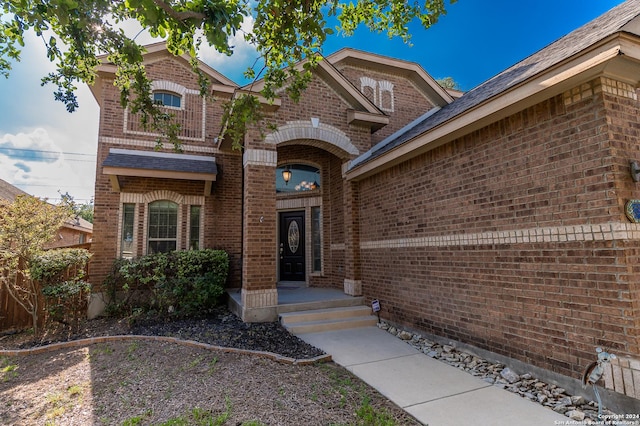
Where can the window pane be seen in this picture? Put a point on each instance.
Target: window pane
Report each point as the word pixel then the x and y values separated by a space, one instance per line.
pixel 166 99
pixel 163 226
pixel 303 178
pixel 126 243
pixel 161 246
pixel 194 228
pixel 316 239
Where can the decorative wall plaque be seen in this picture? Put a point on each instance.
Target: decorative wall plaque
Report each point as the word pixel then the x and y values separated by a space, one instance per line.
pixel 632 210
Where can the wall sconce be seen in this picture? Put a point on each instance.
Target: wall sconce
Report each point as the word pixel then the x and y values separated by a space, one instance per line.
pixel 286 175
pixel 635 171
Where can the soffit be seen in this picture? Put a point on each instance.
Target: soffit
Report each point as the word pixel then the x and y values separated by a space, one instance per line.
pixel 598 48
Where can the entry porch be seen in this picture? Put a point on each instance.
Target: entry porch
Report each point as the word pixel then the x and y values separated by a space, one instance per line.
pixel 306 309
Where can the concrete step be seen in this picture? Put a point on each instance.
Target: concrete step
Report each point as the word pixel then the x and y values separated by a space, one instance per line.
pixel 320 304
pixel 325 314
pixel 329 319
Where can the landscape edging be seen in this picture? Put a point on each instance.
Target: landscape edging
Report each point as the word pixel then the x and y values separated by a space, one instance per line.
pixel 191 343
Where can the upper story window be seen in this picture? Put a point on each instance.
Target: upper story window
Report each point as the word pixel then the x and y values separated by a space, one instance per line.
pixel 297 178
pixel 167 99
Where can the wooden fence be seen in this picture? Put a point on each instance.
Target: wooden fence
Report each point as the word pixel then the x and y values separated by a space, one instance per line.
pixel 15 317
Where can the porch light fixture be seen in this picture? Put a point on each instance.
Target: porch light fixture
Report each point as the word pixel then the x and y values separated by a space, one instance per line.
pixel 286 175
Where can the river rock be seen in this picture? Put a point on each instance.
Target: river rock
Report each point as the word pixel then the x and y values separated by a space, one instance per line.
pixel 575 415
pixel 509 375
pixel 405 335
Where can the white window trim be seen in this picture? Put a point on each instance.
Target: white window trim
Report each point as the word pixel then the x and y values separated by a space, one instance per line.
pixel 200 229
pixel 143 201
pixel 172 88
pixel 386 86
pixel 178 226
pixel 134 251
pixel 369 82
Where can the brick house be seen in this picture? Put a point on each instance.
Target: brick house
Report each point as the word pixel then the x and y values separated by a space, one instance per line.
pixel 496 219
pixel 73 232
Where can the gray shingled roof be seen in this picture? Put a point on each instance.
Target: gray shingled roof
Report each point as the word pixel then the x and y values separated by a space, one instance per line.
pixel 567 46
pixel 130 159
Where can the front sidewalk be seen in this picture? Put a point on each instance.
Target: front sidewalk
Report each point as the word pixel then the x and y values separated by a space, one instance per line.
pixel 431 391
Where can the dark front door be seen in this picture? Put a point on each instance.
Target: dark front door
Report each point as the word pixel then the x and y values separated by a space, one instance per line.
pixel 291 246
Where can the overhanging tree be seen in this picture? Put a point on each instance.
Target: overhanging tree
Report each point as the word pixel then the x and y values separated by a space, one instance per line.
pixel 285 32
pixel 26 225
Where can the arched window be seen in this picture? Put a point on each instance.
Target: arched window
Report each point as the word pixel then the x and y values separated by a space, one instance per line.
pixel 166 99
pixel 369 89
pixel 386 96
pixel 163 226
pixel 301 178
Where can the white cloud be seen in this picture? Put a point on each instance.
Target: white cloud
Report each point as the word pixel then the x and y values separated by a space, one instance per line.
pixel 32 122
pixel 36 132
pixel 35 146
pixel 244 53
pixel 26 168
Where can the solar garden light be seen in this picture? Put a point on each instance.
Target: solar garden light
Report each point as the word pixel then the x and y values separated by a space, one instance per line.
pixel 594 372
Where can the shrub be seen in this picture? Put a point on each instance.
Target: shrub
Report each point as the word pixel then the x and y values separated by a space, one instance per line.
pixel 54 266
pixel 180 283
pixel 60 274
pixel 67 300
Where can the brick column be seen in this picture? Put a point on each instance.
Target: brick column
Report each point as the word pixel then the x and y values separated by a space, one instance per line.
pixel 259 254
pixel 352 268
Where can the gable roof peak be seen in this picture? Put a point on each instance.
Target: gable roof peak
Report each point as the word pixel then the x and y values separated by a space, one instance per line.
pixel 576 56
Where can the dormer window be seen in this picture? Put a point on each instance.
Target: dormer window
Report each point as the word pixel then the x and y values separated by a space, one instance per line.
pixel 167 99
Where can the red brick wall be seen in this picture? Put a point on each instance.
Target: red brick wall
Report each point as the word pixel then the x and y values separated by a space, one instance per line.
pixel 543 300
pixel 409 103
pixel 320 100
pixel 222 210
pixel 66 237
pixel 332 208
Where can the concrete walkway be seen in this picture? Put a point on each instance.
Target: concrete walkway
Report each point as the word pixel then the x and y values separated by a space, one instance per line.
pixel 433 392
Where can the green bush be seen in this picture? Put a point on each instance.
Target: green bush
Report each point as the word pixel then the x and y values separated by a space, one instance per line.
pixel 67 300
pixel 180 283
pixel 60 274
pixel 54 266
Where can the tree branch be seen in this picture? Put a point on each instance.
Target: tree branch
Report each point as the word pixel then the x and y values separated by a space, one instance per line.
pixel 179 16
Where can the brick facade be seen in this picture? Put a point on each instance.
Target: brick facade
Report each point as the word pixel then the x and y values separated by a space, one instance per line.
pixel 241 214
pixel 221 223
pixel 513 238
pixel 506 233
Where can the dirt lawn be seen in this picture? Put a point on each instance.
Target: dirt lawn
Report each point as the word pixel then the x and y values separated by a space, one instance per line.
pixel 160 383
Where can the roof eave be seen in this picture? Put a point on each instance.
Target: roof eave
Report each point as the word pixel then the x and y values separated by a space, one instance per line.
pixel 563 76
pixel 411 70
pixel 153 51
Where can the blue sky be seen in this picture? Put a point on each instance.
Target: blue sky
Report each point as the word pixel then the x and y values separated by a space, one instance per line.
pixel 44 149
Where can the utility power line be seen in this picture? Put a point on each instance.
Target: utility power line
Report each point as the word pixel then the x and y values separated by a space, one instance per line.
pixel 34 154
pixel 4 148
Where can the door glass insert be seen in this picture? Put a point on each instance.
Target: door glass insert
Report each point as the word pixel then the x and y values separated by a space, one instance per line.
pixel 293 236
pixel 302 178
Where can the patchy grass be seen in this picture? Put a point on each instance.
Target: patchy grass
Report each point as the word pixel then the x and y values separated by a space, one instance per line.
pixel 8 370
pixel 160 383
